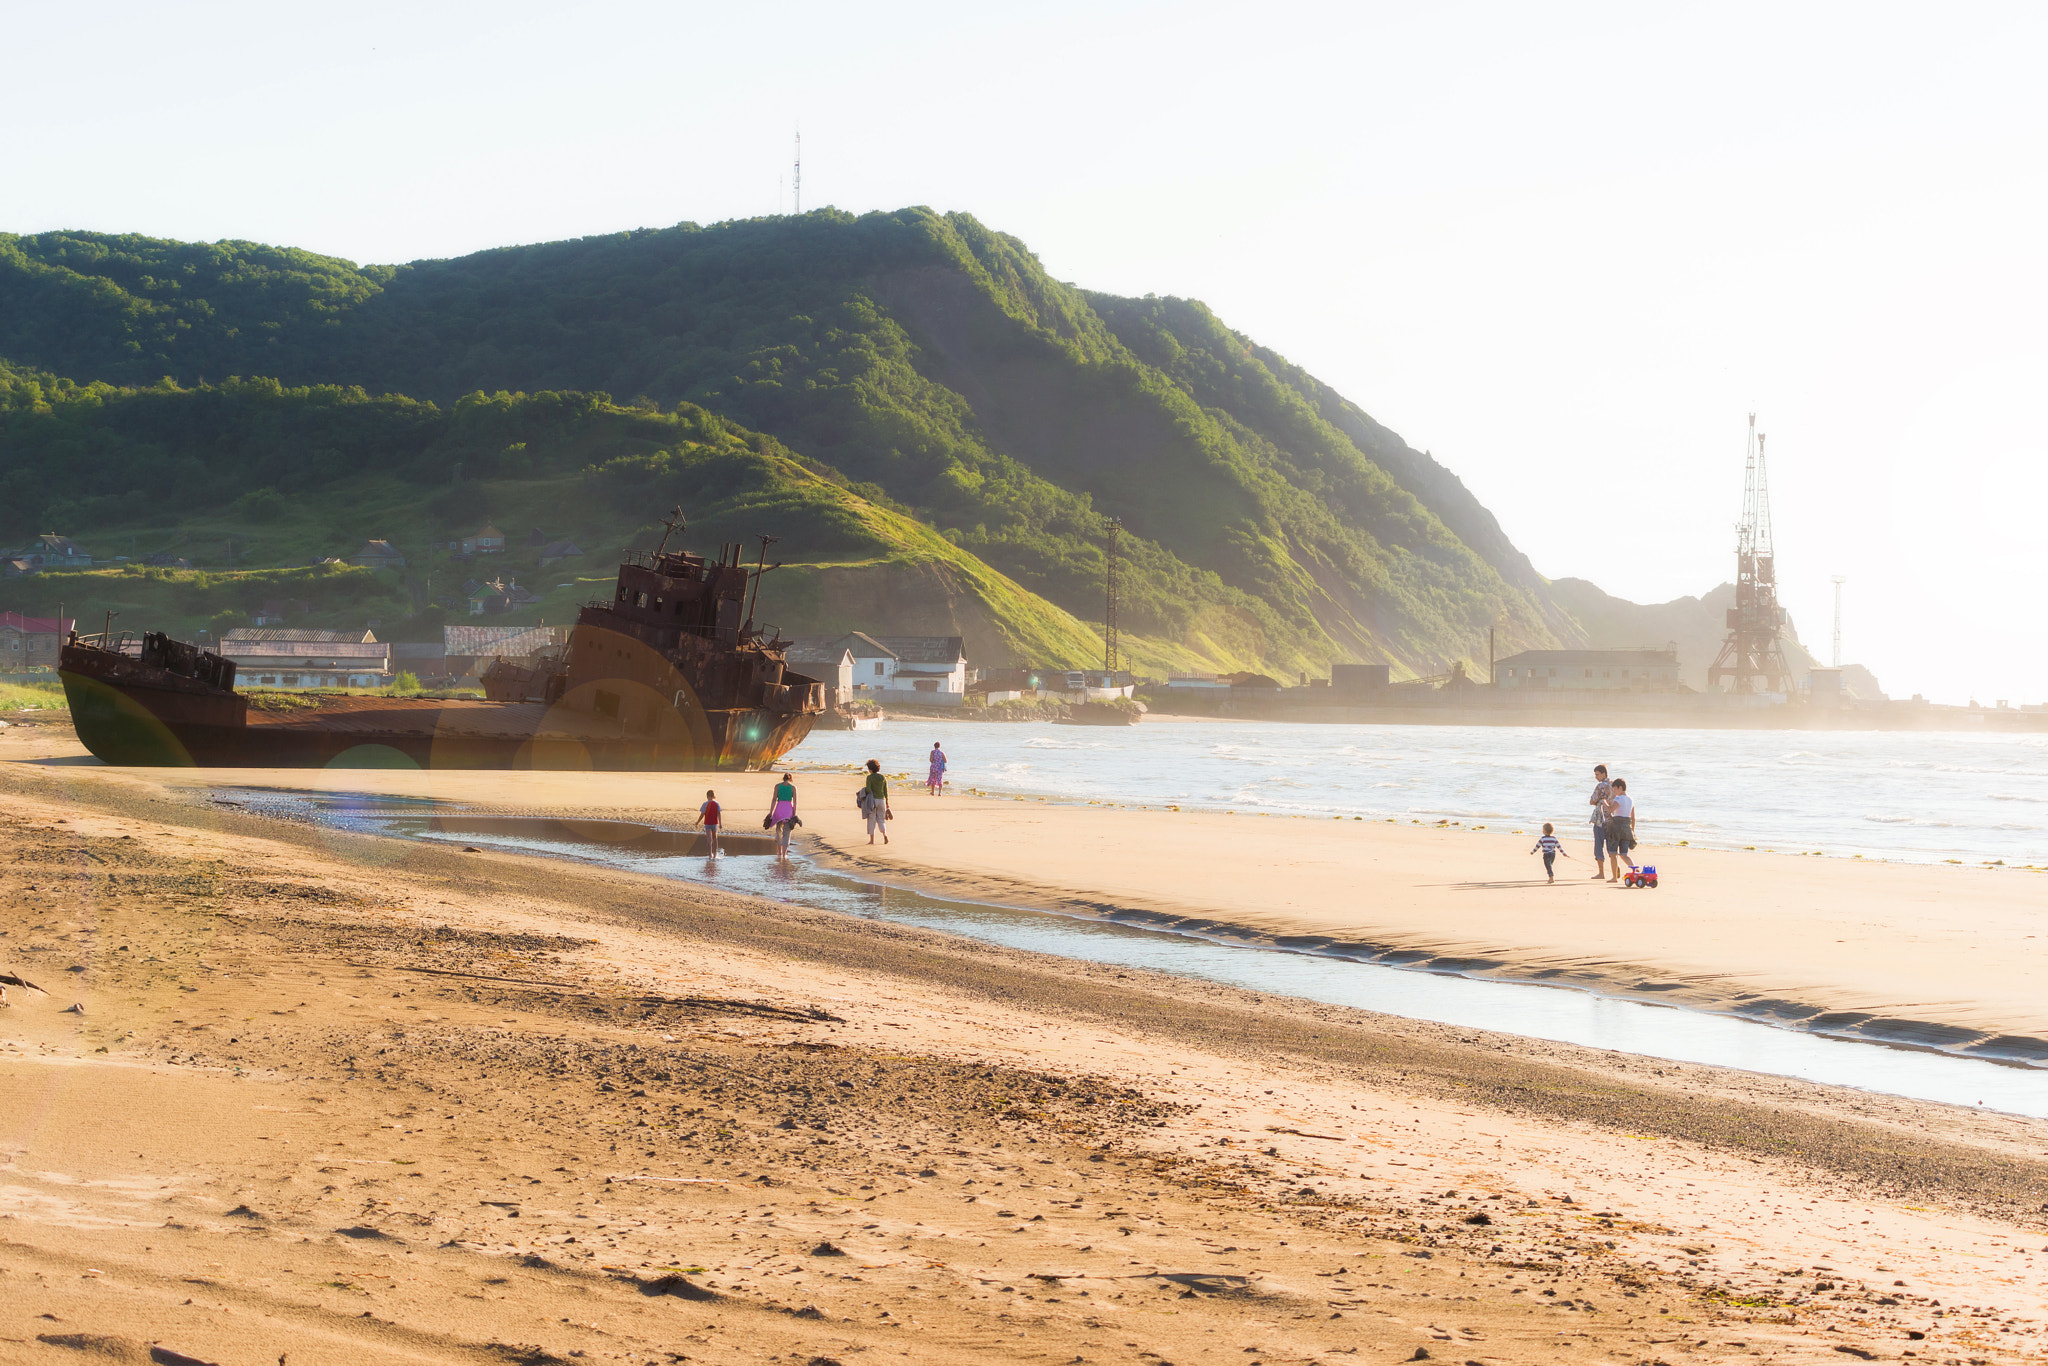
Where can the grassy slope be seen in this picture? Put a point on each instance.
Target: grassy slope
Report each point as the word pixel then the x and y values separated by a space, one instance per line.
pixel 583 470
pixel 921 353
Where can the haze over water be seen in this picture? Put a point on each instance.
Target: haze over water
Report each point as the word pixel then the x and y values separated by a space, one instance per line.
pixel 1916 797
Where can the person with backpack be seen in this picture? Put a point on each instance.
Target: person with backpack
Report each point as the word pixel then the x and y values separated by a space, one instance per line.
pixel 707 816
pixel 874 802
pixel 1621 828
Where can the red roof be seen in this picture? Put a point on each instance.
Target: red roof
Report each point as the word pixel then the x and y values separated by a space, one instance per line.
pixel 39 626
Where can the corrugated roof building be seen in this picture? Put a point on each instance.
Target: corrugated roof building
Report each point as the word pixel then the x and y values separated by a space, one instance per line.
pixel 1589 670
pixel 302 634
pixel 509 641
pixel 297 658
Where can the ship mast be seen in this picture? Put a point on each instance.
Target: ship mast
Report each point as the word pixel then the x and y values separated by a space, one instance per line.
pixel 675 517
pixel 762 567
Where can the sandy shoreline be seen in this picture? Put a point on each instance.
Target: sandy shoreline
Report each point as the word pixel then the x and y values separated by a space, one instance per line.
pixel 351 1098
pixel 1954 959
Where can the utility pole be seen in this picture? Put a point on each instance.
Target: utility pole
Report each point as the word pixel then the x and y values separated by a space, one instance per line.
pixel 1839 580
pixel 796 177
pixel 1112 586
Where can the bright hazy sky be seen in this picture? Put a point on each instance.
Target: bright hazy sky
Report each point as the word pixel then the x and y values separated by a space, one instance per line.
pixel 1566 248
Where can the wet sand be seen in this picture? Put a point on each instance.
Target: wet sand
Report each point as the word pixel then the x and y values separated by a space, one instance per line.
pixel 346 1098
pixel 1948 957
pixel 1951 957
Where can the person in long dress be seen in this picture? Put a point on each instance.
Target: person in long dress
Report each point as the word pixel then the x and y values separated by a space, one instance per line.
pixel 935 778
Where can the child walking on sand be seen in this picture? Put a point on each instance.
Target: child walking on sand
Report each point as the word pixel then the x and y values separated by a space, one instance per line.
pixel 707 816
pixel 1551 847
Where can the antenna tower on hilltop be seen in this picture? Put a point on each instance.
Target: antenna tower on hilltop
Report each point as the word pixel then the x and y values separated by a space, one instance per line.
pixel 1112 586
pixel 1752 660
pixel 1839 580
pixel 796 182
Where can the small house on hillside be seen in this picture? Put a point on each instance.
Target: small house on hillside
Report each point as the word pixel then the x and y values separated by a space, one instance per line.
pixel 273 611
pixel 554 552
pixel 497 595
pixel 486 540
pixel 61 552
pixel 378 555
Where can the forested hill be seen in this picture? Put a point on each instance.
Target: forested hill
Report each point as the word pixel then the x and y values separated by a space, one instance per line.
pixel 921 359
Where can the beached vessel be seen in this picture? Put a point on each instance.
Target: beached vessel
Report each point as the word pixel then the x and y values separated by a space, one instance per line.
pixel 858 715
pixel 669 674
pixel 1103 714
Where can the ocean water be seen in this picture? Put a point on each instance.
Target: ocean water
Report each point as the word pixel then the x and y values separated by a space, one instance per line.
pixel 1915 797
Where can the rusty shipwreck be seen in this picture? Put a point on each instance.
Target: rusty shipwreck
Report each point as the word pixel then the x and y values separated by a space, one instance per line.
pixel 670 674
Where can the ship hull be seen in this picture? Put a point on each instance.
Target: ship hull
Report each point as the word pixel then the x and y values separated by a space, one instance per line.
pixel 1099 714
pixel 126 718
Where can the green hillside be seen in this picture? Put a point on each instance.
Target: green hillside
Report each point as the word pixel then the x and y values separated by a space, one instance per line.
pixel 921 360
pixel 292 477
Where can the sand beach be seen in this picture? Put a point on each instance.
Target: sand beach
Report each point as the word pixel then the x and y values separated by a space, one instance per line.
pixel 293 1092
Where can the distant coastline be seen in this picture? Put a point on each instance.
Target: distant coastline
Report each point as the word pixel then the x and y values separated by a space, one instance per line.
pixel 1705 711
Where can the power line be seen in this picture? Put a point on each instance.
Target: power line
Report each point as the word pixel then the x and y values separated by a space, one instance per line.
pixel 1112 585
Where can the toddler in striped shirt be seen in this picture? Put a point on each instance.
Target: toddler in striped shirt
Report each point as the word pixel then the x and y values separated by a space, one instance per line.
pixel 1551 847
